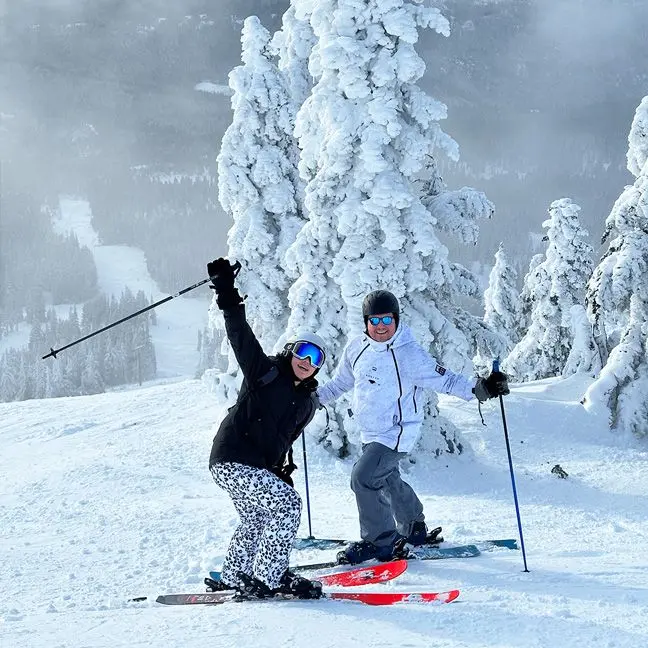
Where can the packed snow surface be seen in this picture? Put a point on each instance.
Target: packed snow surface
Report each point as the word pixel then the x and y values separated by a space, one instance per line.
pixel 107 497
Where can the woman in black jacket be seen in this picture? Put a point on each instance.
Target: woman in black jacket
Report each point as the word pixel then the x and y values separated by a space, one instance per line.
pixel 275 403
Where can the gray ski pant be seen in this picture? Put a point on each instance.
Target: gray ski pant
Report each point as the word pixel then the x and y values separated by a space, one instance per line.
pixel 387 505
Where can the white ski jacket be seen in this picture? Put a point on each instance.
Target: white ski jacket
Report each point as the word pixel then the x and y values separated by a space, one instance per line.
pixel 386 378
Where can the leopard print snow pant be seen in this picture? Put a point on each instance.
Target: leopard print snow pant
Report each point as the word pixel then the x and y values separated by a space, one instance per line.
pixel 270 512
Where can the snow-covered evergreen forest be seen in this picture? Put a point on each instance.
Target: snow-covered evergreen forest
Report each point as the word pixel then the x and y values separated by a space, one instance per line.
pixel 484 160
pixel 333 173
pixel 336 192
pixel 122 355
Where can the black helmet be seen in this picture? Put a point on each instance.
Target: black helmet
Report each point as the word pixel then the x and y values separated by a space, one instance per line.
pixel 380 301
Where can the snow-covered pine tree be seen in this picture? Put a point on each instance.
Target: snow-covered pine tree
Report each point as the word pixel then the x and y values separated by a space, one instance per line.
pixel 91 381
pixel 618 295
pixel 366 133
pixel 584 354
pixel 456 213
pixel 59 384
pixel 560 282
pixel 501 298
pixel 23 382
pixel 257 187
pixel 533 280
pixel 501 308
pixel 38 378
pixel 8 375
pixel 294 43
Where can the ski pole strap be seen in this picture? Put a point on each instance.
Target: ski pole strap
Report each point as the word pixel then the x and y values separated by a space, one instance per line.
pixel 481 416
pixel 291 466
pixel 327 427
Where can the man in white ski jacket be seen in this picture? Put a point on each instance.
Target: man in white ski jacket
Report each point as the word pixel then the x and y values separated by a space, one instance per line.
pixel 387 369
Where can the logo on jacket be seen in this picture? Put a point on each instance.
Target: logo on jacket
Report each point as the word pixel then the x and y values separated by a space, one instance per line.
pixel 372 376
pixel 440 370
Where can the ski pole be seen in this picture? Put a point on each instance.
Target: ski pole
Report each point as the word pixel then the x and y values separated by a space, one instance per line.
pixel 54 352
pixel 308 509
pixel 510 460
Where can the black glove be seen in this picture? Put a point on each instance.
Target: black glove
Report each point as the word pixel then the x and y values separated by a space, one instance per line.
pixel 284 473
pixel 222 275
pixel 496 384
pixel 228 299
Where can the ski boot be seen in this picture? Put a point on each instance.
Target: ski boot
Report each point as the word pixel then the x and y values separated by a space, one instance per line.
pixel 217 585
pixel 299 587
pixel 250 587
pixel 292 585
pixel 419 535
pixel 358 552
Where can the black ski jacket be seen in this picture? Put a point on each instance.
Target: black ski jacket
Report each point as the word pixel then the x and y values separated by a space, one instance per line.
pixel 270 411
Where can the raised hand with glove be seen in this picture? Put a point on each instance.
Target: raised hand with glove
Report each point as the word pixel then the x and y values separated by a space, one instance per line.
pixel 222 275
pixel 496 384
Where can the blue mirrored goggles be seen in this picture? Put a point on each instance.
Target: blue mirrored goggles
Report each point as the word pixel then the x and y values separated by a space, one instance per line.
pixel 303 350
pixel 385 319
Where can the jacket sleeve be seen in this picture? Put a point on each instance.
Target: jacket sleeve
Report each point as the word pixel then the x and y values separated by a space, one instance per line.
pixel 341 382
pixel 250 356
pixel 432 375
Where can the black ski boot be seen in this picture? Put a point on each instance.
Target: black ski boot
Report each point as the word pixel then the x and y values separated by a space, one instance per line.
pixel 250 587
pixel 419 535
pixel 291 584
pixel 359 552
pixel 217 585
pixel 299 587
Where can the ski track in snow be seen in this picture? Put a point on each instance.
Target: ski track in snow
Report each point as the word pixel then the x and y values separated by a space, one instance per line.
pixel 107 497
pixel 175 336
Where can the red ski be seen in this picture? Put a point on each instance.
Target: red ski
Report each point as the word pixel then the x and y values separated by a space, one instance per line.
pixel 350 578
pixel 365 575
pixel 391 598
pixel 368 598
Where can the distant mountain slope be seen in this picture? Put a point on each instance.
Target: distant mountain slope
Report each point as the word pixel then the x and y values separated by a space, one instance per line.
pixel 118 267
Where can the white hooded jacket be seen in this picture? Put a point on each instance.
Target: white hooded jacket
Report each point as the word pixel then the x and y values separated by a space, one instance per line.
pixel 386 378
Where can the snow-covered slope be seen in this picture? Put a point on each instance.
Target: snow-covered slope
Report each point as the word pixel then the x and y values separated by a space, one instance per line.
pixel 119 267
pixel 109 496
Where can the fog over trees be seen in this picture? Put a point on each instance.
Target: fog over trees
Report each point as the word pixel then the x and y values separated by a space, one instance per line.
pixel 539 96
pixel 126 105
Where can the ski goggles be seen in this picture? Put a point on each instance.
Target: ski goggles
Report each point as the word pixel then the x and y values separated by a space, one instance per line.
pixel 385 319
pixel 303 350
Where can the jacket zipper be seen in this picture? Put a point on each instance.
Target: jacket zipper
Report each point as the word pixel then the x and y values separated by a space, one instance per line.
pixel 358 358
pixel 400 395
pixel 414 399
